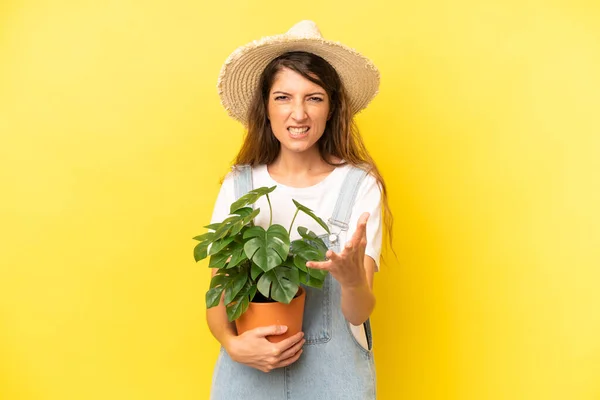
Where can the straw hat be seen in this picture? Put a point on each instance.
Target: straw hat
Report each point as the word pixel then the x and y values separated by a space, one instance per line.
pixel 240 74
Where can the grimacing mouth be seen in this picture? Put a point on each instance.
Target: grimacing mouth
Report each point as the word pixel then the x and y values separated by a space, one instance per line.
pixel 298 129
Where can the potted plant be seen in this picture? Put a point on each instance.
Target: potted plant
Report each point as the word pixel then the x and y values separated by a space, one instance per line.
pixel 261 268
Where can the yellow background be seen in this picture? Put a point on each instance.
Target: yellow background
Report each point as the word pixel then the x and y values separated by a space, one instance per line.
pixel 113 142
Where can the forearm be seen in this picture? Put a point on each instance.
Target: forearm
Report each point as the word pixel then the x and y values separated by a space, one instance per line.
pixel 357 303
pixel 219 325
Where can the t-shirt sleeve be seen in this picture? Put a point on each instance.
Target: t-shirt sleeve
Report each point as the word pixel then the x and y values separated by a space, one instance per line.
pixel 368 199
pixel 224 200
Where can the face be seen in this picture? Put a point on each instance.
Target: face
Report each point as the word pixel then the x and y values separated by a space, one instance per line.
pixel 298 110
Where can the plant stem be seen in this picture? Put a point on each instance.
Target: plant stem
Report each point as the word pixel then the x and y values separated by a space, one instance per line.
pixel 293 219
pixel 270 210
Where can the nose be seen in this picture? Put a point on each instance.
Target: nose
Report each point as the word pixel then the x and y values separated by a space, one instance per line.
pixel 298 111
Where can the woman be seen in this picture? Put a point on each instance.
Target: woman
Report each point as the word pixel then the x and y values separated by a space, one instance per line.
pixel 297 94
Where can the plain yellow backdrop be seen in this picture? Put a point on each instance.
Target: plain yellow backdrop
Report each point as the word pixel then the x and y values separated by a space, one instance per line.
pixel 113 142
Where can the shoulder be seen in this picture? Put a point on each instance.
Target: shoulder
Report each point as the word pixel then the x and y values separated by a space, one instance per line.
pixel 246 177
pixel 240 170
pixel 364 172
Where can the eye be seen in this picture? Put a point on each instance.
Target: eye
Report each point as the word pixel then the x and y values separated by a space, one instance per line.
pixel 316 99
pixel 280 97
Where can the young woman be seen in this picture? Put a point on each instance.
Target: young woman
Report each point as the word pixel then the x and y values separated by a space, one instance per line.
pixel 297 94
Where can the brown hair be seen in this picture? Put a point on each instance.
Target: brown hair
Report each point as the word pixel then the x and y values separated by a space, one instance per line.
pixel 341 138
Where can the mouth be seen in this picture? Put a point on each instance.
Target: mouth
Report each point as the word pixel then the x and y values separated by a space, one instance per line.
pixel 298 131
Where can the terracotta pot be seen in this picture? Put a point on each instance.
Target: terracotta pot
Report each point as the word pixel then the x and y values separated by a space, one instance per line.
pixel 266 314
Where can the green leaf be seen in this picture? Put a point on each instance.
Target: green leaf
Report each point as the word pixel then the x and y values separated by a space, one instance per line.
pixel 311 238
pixel 309 280
pixel 240 303
pixel 280 284
pixel 219 245
pixel 255 271
pixel 252 292
pixel 233 287
pixel 310 253
pixel 236 228
pixel 300 263
pixel 300 259
pixel 222 231
pixel 249 290
pixel 204 237
pixel 306 234
pixel 218 260
pixel 250 198
pixel 213 296
pixel 311 214
pixel 200 251
pixel 242 222
pixel 269 248
pixel 213 227
pixel 248 218
pixel 244 211
pixel 264 286
pixel 218 280
pixel 318 273
pixel 255 231
pixel 237 256
pixel 237 308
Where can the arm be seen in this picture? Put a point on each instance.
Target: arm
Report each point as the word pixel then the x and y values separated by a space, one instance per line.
pixel 358 301
pixel 354 267
pixel 216 317
pixel 251 348
pixel 219 325
pixel 354 271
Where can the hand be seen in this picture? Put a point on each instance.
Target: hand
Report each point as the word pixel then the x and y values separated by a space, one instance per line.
pixel 348 266
pixel 252 348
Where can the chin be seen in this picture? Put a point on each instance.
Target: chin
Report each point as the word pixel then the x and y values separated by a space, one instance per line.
pixel 297 149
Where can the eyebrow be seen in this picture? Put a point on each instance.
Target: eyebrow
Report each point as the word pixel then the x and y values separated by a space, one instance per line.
pixel 309 94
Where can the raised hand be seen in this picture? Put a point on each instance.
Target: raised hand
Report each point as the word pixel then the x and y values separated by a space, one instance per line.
pixel 347 267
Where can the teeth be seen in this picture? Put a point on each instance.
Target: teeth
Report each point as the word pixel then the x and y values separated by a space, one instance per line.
pixel 298 130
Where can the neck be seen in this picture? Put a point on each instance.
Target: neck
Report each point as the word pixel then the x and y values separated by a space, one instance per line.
pixel 288 162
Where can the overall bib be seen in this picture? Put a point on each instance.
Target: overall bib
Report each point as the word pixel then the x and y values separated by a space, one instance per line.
pixel 333 365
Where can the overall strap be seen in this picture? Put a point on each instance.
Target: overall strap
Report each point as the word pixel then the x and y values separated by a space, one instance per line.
pixel 341 218
pixel 242 180
pixel 347 197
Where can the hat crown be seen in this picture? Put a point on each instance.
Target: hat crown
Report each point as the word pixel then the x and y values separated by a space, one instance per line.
pixel 305 29
pixel 240 74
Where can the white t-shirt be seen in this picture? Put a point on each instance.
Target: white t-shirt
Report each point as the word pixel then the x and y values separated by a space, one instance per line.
pixel 321 198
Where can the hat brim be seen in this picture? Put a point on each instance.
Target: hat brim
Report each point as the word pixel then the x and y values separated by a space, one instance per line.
pixel 241 71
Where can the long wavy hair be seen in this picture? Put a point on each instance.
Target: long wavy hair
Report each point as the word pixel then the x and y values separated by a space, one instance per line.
pixel 341 138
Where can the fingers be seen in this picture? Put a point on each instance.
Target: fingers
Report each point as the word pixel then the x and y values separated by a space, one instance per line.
pixel 270 330
pixel 290 360
pixel 354 246
pixel 285 352
pixel 289 342
pixel 332 257
pixel 358 242
pixel 324 265
pixel 364 217
pixel 361 228
pixel 292 350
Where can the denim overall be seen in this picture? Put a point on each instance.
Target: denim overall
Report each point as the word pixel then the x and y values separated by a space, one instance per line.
pixel 333 364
